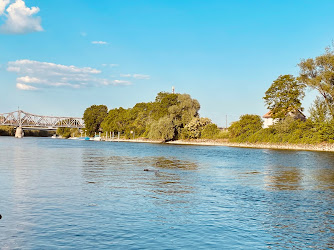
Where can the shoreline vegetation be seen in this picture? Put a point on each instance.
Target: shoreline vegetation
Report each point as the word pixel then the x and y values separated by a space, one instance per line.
pixel 174 118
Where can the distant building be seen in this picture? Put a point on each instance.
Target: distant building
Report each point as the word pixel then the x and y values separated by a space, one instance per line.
pixel 268 120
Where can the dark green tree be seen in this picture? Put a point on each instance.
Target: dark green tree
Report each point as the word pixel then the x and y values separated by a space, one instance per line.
pixel 93 117
pixel 163 102
pixel 162 119
pixel 284 95
pixel 118 120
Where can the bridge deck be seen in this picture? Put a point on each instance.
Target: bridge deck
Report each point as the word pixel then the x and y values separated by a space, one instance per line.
pixel 26 120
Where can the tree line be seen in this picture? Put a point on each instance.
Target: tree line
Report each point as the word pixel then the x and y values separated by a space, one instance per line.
pixel 285 95
pixel 170 116
pixel 175 116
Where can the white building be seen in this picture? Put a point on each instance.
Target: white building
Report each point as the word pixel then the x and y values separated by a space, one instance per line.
pixel 268 120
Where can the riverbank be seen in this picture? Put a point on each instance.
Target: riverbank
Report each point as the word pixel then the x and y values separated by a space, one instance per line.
pixel 326 147
pixel 309 147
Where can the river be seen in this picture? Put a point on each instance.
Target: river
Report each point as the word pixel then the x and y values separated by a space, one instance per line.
pixel 83 194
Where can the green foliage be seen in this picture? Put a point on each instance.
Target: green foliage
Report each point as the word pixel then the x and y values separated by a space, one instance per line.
pixel 245 127
pixel 10 131
pixel 195 127
pixel 117 120
pixel 318 74
pixel 211 131
pixel 319 111
pixel 7 130
pixel 93 117
pixel 68 132
pixel 162 103
pixel 38 133
pixel 163 129
pixel 64 132
pixel 284 95
pixel 293 131
pixel 162 119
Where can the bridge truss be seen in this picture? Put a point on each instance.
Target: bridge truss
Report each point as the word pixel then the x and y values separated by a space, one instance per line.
pixel 26 120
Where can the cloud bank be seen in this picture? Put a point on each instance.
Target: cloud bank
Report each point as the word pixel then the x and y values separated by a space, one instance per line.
pixel 33 75
pixel 19 18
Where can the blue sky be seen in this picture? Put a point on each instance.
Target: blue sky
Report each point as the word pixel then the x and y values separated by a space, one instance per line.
pixel 59 57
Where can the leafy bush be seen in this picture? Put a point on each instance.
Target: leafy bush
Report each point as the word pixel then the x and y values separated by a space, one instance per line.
pixel 245 127
pixel 210 131
pixel 194 128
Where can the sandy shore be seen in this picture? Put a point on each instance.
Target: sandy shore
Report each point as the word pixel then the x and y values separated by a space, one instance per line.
pixel 309 147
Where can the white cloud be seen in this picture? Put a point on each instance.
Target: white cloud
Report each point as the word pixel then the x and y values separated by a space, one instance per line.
pixel 99 42
pixel 122 82
pixel 28 79
pixel 3 4
pixel 23 86
pixel 19 18
pixel 45 74
pixel 136 76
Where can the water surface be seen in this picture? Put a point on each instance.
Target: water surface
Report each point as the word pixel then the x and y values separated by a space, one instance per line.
pixel 84 194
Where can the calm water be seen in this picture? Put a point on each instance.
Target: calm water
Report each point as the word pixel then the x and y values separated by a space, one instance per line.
pixel 83 195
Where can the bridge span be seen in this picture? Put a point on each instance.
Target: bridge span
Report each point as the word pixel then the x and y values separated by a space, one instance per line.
pixel 24 120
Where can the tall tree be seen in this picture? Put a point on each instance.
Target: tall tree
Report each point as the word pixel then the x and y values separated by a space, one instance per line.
pixel 93 117
pixel 318 74
pixel 178 111
pixel 284 95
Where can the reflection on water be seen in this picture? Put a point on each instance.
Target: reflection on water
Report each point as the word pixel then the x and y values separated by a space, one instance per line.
pixel 74 194
pixel 164 182
pixel 284 178
pixel 324 178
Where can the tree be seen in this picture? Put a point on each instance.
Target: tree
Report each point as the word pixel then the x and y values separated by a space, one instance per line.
pixel 117 120
pixel 162 119
pixel 164 129
pixel 93 117
pixel 194 128
pixel 319 111
pixel 246 126
pixel 318 74
pixel 178 111
pixel 163 102
pixel 210 131
pixel 284 95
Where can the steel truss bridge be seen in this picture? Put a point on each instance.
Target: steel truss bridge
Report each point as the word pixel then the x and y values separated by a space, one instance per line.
pixel 26 120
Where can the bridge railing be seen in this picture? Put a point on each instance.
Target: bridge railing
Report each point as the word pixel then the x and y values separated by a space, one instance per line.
pixel 25 119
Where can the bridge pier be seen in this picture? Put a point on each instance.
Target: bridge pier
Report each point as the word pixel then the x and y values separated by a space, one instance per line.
pixel 19 132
